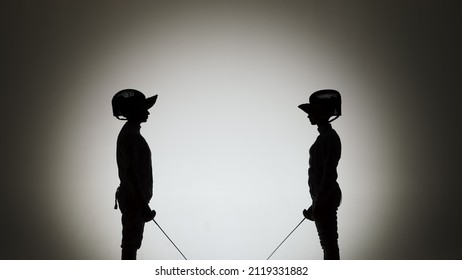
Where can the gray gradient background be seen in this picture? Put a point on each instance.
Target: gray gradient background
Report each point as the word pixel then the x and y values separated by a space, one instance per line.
pixel 230 147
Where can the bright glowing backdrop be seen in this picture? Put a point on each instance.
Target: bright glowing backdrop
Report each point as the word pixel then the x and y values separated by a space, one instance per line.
pixel 230 147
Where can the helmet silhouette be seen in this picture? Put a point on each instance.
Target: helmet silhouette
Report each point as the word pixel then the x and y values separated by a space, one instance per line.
pixel 328 100
pixel 128 101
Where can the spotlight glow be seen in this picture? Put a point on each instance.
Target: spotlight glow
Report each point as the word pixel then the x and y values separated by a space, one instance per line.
pixel 230 147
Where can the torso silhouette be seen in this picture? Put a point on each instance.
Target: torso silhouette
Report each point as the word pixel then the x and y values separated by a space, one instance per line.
pixel 324 157
pixel 134 162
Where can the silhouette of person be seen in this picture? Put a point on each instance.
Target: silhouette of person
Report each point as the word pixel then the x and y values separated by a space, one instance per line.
pixel 322 173
pixel 135 168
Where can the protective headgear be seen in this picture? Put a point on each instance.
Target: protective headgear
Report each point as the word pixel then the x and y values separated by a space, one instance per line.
pixel 327 100
pixel 130 100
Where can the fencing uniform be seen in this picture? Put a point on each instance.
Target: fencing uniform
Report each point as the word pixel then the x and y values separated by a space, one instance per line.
pixel 135 191
pixel 324 190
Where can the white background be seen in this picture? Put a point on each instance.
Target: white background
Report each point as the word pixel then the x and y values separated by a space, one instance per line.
pixel 230 147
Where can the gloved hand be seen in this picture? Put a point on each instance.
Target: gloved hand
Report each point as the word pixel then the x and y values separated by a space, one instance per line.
pixel 308 213
pixel 149 215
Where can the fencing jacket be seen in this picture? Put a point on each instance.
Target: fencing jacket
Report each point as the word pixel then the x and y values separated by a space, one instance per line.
pixel 324 157
pixel 135 167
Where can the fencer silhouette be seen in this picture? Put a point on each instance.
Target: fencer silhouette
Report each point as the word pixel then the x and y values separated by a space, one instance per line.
pixel 134 168
pixel 322 173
